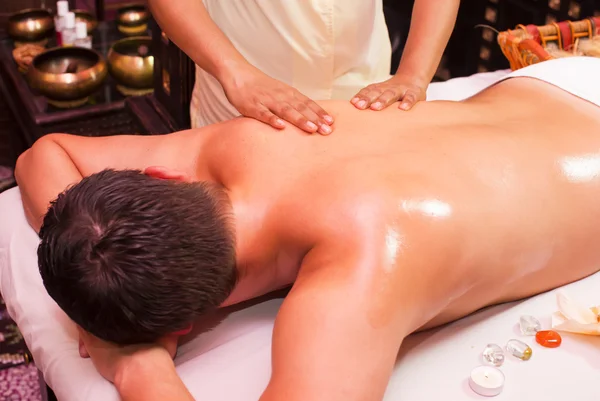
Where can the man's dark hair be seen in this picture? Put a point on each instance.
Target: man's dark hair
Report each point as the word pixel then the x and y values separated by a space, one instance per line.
pixel 131 258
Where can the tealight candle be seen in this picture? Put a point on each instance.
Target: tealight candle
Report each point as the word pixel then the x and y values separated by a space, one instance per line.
pixel 487 381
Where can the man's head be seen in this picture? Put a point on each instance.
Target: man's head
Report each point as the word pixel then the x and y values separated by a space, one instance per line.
pixel 131 258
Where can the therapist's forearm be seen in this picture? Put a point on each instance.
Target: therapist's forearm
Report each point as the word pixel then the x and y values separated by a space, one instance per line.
pixel 431 25
pixel 188 24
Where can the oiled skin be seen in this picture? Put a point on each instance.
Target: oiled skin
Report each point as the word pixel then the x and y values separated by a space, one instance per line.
pixel 396 222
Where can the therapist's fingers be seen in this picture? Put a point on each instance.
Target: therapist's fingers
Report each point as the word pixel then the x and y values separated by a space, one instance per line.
pixel 325 116
pixel 388 97
pixel 265 115
pixel 301 111
pixel 289 113
pixel 314 113
pixel 409 100
pixel 324 119
pixel 366 97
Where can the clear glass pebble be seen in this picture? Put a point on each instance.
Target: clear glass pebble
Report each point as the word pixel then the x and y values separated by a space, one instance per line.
pixel 493 355
pixel 529 325
pixel 519 349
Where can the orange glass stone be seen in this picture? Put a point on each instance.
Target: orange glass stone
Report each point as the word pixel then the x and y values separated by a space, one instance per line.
pixel 548 338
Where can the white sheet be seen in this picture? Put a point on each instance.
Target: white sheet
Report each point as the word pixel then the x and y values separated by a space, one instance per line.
pixel 232 362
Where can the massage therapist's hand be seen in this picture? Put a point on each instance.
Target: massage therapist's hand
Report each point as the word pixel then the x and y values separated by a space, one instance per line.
pixel 256 95
pixel 378 96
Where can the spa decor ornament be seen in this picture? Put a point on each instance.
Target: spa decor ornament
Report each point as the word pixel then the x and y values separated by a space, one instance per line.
pixel 529 325
pixel 548 339
pixel 493 355
pixel 486 380
pixel 575 318
pixel 527 45
pixel 519 349
pixel 30 26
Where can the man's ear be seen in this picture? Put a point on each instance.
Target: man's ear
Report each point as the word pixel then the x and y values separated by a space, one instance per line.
pixel 183 332
pixel 165 173
pixel 83 352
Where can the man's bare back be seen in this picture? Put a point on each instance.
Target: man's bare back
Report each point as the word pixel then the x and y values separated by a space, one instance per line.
pixel 396 222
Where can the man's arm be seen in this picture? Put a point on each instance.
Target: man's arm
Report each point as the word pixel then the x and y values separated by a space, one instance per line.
pixel 143 372
pixel 57 161
pixel 43 172
pixel 151 377
pixel 339 330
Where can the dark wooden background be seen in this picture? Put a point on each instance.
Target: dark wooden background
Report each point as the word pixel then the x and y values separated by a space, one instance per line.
pixel 469 51
pixel 9 131
pixel 8 134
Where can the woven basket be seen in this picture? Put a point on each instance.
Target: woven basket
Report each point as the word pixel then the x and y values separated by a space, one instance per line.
pixel 526 45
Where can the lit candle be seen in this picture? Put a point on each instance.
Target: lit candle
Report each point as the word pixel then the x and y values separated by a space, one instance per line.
pixel 487 381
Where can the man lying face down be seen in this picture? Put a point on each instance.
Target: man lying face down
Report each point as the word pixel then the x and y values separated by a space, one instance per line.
pixel 395 223
pixel 139 257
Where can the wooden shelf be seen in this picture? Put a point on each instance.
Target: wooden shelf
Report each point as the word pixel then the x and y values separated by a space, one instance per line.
pixel 111 114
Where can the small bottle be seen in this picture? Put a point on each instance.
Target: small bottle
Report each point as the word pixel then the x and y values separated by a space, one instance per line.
pixel 62 8
pixel 81 35
pixel 68 33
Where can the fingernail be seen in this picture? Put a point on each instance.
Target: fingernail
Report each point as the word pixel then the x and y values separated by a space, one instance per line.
pixel 361 104
pixel 377 106
pixel 354 100
pixel 325 129
pixel 404 106
pixel 280 123
pixel 311 126
pixel 329 119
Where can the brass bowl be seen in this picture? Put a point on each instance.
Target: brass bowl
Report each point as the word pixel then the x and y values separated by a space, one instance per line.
pixel 30 25
pixel 88 18
pixel 133 15
pixel 131 62
pixel 67 76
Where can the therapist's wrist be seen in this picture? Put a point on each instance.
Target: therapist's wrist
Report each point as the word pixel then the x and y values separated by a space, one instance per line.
pixel 234 73
pixel 416 69
pixel 418 78
pixel 238 76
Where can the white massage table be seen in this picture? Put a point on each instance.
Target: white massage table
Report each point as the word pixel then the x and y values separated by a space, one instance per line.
pixel 232 362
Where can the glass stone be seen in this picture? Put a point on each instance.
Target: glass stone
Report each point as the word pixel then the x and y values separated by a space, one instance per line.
pixel 493 355
pixel 519 349
pixel 529 325
pixel 548 339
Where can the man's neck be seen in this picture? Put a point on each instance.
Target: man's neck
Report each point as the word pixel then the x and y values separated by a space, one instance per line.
pixel 265 262
pixel 256 249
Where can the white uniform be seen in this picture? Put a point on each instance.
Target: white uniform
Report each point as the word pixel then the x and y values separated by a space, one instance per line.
pixel 327 49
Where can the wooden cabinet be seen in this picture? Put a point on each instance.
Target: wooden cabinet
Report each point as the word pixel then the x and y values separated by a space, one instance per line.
pixel 174 76
pixel 10 134
pixel 107 112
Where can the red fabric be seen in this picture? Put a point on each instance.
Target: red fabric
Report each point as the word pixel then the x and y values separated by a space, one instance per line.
pixel 597 24
pixel 534 32
pixel 566 35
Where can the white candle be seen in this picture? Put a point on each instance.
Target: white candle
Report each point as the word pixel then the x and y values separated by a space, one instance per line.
pixel 486 380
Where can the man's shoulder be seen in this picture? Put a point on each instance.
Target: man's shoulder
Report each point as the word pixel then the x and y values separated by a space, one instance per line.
pixel 336 222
